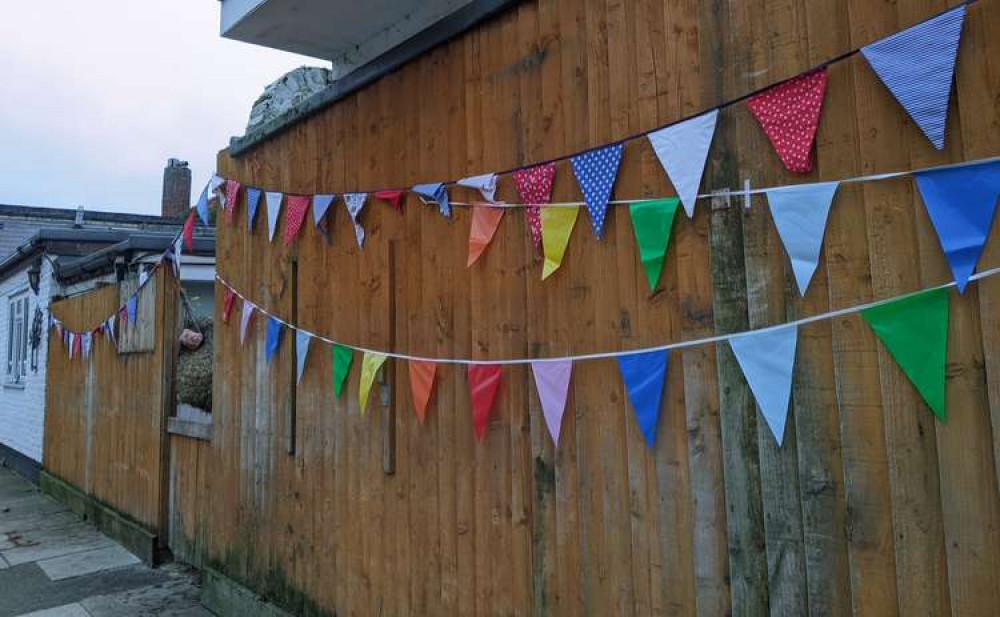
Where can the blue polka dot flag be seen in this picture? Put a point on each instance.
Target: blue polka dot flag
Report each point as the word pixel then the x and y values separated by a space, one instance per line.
pixel 596 172
pixel 917 65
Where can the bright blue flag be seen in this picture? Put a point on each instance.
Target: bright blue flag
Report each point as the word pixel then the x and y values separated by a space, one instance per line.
pixel 644 374
pixel 202 206
pixel 917 66
pixel 596 172
pixel 132 306
pixel 961 202
pixel 253 200
pixel 436 192
pixel 274 328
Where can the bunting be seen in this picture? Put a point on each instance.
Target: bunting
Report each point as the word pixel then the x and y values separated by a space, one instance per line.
pixel 789 115
pixel 109 329
pixel 296 207
pixel 253 200
pixel 596 172
pixel 274 329
pixel 273 205
pixel 534 185
pixel 767 358
pixel 915 331
pixel 201 207
pixel 227 305
pixel 644 374
pixel 86 344
pixel 370 364
pixel 485 221
pixel 302 340
pixel 245 317
pixel 800 213
pixel 652 222
pixel 321 203
pixel 552 383
pixel 232 197
pixel 486 184
pixel 682 149
pixel 187 232
pixel 557 226
pixel 355 202
pixel 437 192
pixel 342 358
pixel 393 197
pixel 484 382
pixel 917 65
pixel 132 308
pixel 77 345
pixel 421 385
pixel 961 202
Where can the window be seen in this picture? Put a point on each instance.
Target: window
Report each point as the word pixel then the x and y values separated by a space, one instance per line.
pixel 17 338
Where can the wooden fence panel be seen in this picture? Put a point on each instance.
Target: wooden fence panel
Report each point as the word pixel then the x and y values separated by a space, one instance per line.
pixel 870 507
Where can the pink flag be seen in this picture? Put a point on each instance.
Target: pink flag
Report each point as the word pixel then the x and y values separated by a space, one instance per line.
pixel 534 185
pixel 552 382
pixel 789 115
pixel 296 207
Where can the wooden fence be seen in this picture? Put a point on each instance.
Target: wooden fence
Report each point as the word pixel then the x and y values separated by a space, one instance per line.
pixel 870 507
pixel 106 417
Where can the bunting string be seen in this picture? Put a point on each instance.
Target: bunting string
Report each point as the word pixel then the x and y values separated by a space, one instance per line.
pixel 843 312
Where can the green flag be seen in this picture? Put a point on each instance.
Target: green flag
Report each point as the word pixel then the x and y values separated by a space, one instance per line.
pixel 342 357
pixel 652 221
pixel 915 330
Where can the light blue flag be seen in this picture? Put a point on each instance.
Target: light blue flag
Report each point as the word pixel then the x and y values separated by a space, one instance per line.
pixel 274 328
pixel 800 213
pixel 437 192
pixel 273 205
pixel 321 203
pixel 596 172
pixel 202 205
pixel 961 202
pixel 644 374
pixel 302 340
pixel 253 200
pixel 768 362
pixel 917 65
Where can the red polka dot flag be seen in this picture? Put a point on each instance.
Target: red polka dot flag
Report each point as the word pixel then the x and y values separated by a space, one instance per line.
pixel 534 185
pixel 789 115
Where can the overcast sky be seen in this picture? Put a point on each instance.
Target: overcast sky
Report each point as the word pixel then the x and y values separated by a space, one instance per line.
pixel 95 95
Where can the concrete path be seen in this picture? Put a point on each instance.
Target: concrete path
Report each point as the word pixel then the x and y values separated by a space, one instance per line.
pixel 52 564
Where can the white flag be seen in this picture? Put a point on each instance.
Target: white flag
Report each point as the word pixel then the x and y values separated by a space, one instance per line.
pixel 485 184
pixel 302 340
pixel 245 316
pixel 355 202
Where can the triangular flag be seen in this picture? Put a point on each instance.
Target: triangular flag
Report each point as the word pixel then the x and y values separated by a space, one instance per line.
pixel 342 358
pixel 421 384
pixel 683 149
pixel 435 192
pixel 232 196
pixel 486 184
pixel 962 202
pixel 88 339
pixel 143 277
pixel 485 220
pixel 109 328
pixel 800 213
pixel 370 364
pixel 227 304
pixel 296 207
pixel 273 205
pixel 245 317
pixel 216 188
pixel 917 66
pixel 557 226
pixel 202 206
pixel 534 185
pixel 767 358
pixel 484 381
pixel 915 331
pixel 321 203
pixel 173 255
pixel 302 340
pixel 123 316
pixel 596 172
pixel 253 200
pixel 77 345
pixel 132 307
pixel 394 197
pixel 644 374
pixel 274 329
pixel 652 221
pixel 355 202
pixel 187 232
pixel 789 115
pixel 552 383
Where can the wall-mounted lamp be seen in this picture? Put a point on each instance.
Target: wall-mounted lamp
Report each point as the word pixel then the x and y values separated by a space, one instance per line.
pixel 35 276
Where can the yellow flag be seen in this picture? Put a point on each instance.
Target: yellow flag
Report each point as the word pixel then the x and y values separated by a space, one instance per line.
pixel 557 225
pixel 369 366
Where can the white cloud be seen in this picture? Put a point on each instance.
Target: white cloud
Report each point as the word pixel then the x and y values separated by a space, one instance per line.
pixel 96 95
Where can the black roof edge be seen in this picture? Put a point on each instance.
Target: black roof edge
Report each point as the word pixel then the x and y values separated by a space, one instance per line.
pixel 104 258
pixel 436 34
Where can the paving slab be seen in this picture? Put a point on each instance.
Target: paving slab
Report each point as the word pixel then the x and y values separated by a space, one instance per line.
pixel 47 543
pixel 87 562
pixel 66 610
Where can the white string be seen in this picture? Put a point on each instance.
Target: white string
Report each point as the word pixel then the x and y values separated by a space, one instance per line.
pixel 740 193
pixel 613 354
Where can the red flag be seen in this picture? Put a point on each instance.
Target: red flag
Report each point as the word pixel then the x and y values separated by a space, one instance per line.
pixel 77 345
pixel 789 115
pixel 123 316
pixel 296 207
pixel 232 194
pixel 485 221
pixel 188 231
pixel 534 185
pixel 394 197
pixel 484 381
pixel 421 384
pixel 227 305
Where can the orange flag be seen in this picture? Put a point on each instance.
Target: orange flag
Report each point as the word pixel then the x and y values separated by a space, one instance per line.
pixel 421 383
pixel 485 220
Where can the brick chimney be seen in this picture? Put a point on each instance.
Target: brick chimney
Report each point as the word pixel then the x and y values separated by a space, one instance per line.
pixel 176 189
